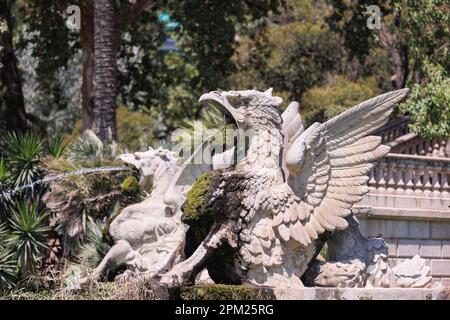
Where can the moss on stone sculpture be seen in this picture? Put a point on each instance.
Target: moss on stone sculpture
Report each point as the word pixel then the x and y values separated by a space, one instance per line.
pixel 226 292
pixel 196 211
pixel 130 186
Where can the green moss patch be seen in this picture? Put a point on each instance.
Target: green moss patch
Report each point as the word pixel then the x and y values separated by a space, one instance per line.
pixel 196 212
pixel 130 186
pixel 226 292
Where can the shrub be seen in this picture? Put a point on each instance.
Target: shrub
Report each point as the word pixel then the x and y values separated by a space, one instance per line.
pixel 429 104
pixel 28 235
pixel 23 151
pixel 325 102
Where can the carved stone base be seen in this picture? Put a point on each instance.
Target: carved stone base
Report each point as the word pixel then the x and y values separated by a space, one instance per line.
pixel 357 261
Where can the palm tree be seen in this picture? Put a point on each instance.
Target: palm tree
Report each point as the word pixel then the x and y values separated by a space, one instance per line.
pixel 105 44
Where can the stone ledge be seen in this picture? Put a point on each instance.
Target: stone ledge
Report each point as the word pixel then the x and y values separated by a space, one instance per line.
pixel 402 213
pixel 318 293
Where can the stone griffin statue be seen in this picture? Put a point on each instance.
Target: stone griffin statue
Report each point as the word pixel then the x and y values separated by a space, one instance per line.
pixel 261 211
pixel 264 219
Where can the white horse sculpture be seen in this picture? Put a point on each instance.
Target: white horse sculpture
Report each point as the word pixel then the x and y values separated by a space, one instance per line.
pixel 149 236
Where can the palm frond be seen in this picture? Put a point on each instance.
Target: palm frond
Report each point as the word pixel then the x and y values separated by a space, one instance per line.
pixel 94 249
pixel 28 234
pixel 57 147
pixel 23 152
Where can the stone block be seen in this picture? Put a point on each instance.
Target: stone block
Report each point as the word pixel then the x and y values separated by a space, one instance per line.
pixel 418 229
pixel 407 248
pixel 396 229
pixel 372 227
pixel 445 249
pixel 430 248
pixel 445 282
pixel 440 268
pixel 440 230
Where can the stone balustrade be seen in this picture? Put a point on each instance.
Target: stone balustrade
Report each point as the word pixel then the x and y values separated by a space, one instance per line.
pixel 394 129
pixel 409 206
pixel 421 175
pixel 413 144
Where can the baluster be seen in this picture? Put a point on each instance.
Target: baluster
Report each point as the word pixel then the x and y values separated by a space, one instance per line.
pixel 445 176
pixel 426 180
pixel 381 176
pixel 401 175
pixel 422 151
pixel 435 181
pixel 391 177
pixel 409 183
pixel 435 151
pixel 372 177
pixel 418 176
pixel 442 146
pixel 429 150
pixel 447 148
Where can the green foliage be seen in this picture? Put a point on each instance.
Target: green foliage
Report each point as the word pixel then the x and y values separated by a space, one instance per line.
pixel 57 147
pixel 429 104
pixel 23 152
pixel 425 26
pixel 298 52
pixel 416 34
pixel 28 235
pixel 90 151
pixel 8 267
pixel 78 198
pixel 94 249
pixel 4 174
pixel 207 33
pixel 133 129
pixel 8 263
pixel 325 102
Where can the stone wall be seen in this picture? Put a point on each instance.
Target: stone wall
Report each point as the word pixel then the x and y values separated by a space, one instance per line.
pixel 409 206
pixel 406 238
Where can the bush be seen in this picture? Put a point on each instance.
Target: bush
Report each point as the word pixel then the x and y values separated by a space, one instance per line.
pixel 133 128
pixel 340 94
pixel 429 104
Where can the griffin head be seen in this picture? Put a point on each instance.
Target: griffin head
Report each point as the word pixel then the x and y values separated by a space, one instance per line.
pixel 250 109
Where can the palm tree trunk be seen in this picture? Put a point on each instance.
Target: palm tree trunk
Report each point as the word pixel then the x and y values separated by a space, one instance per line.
pixel 87 46
pixel 12 106
pixel 105 68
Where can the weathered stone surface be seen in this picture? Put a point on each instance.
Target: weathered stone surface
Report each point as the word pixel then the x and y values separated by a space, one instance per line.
pixel 226 292
pixel 407 248
pixel 440 231
pixel 148 237
pixel 358 294
pixel 273 208
pixel 396 229
pixel 363 262
pixel 418 229
pixel 446 249
pixel 440 267
pixel 430 248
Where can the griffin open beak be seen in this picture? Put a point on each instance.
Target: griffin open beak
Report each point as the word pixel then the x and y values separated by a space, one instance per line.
pixel 216 99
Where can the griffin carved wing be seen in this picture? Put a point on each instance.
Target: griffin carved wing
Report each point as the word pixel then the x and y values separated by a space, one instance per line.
pixel 328 166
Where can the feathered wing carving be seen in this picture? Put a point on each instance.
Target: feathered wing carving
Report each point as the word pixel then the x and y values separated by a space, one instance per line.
pixel 328 166
pixel 292 128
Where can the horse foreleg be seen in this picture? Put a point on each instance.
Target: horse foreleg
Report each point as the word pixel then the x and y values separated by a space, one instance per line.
pixel 118 255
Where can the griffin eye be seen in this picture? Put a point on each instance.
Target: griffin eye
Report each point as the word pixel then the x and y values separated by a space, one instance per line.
pixel 237 101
